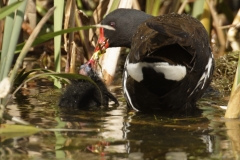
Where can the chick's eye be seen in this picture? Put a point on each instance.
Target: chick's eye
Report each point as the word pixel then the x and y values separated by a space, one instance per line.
pixel 112 24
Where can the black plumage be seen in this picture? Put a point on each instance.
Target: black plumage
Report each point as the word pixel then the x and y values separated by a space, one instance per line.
pixel 84 94
pixel 172 41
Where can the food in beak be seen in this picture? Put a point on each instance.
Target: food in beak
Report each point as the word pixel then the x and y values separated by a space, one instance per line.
pixel 100 48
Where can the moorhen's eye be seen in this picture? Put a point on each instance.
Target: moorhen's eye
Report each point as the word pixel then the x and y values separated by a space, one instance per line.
pixel 112 24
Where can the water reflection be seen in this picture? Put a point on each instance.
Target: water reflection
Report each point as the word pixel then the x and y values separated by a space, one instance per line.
pixel 120 134
pixel 113 124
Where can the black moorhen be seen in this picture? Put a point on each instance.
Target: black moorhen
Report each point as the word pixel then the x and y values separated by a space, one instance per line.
pixel 170 64
pixel 83 94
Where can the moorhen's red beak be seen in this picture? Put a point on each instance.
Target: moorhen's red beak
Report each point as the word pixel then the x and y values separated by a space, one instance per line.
pixel 102 43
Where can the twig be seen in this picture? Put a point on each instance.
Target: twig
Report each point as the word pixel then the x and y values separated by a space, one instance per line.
pixel 231 25
pixel 180 11
pixel 217 27
pixel 28 44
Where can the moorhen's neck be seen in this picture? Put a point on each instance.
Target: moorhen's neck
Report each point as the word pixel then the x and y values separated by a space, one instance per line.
pixel 125 22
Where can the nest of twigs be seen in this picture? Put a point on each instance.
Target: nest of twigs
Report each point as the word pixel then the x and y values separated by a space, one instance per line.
pixel 225 69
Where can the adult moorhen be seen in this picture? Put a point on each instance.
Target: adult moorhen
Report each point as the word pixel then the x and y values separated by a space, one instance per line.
pixel 170 64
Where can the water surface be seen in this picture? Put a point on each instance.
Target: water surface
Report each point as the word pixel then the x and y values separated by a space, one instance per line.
pixel 118 133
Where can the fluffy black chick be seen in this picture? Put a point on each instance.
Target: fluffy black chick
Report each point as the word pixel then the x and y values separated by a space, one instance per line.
pixel 83 94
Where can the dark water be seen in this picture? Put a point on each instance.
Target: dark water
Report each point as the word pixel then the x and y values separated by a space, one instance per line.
pixel 118 133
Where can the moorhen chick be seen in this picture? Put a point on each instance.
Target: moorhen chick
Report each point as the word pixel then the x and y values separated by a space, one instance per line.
pixel 83 94
pixel 170 63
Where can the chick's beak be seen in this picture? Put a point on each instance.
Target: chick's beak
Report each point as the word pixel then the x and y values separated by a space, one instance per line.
pixel 102 43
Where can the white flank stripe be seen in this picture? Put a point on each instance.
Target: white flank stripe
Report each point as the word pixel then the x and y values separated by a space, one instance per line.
pixel 208 69
pixel 125 86
pixel 171 72
pixel 204 76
